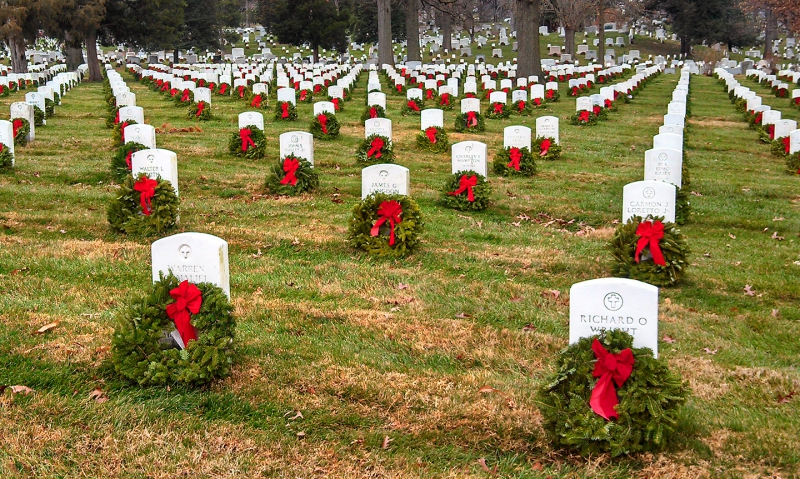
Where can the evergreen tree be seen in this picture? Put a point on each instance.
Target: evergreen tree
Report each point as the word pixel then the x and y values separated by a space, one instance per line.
pixel 319 23
pixel 363 24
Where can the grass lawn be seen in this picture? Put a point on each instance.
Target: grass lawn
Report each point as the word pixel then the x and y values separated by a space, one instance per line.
pixel 351 366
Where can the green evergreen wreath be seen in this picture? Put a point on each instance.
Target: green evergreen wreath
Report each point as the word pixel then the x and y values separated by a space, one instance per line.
pixel 553 150
pixel 673 246
pixel 338 105
pixel 649 401
pixel 461 124
pixel 111 118
pixel 139 355
pixel 793 163
pixel 290 110
pixel 251 152
pixel 307 178
pixel 305 96
pixel 49 107
pixel 120 162
pixel 205 115
pixel 38 116
pixel 683 206
pixel 407 231
pixel 527 163
pixel 441 144
pixel 386 151
pixel 4 91
pixel 583 120
pixel 125 211
pixel 117 134
pixel 262 102
pixel 481 192
pixel 6 158
pixel 178 98
pixel 552 95
pixel 331 125
pixel 523 107
pixel 21 129
pixel 445 101
pixel 406 108
pixel 493 114
pixel 777 147
pixel 379 111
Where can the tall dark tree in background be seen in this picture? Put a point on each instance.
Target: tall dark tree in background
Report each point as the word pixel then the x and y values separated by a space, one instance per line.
pixel 19 24
pixel 200 28
pixel 385 53
pixel 364 28
pixel 528 19
pixel 146 24
pixel 412 30
pixel 319 23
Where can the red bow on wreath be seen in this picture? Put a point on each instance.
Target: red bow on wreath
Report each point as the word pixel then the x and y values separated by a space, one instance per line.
pixel 200 107
pixel 607 103
pixel 388 211
pixel 323 122
pixel 584 116
pixel 188 300
pixel 223 88
pixel 399 88
pixel 413 105
pixel 122 127
pixel 611 369
pixel 596 110
pixel 758 118
pixel 521 106
pixel 537 101
pixel 515 155
pixel 466 183
pixel 445 99
pixel 431 133
pixel 429 94
pixel 472 119
pixel 284 110
pixel 549 94
pixel 373 112
pixel 247 139
pixel 147 188
pixel 256 103
pixel 317 88
pixel 16 124
pixel 786 143
pixel 650 232
pixel 290 166
pixel 498 108
pixel 574 91
pixel 116 118
pixel 771 131
pixel 797 100
pixel 335 102
pixel 375 148
pixel 544 147
pixel 303 95
pixel 185 96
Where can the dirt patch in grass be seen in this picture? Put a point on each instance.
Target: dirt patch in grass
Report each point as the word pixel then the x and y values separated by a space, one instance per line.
pixel 707 380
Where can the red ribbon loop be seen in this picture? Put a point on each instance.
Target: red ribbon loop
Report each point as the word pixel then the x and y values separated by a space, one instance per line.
pixel 147 188
pixel 188 300
pixel 466 183
pixel 549 94
pixel 116 118
pixel 608 103
pixel 16 124
pixel 388 211
pixel 515 155
pixel 786 142
pixel 399 88
pixel 521 105
pixel 122 131
pixel 247 140
pixel 431 133
pixel 200 107
pixel 223 88
pixel 128 160
pixel 323 122
pixel 429 94
pixel 256 103
pixel 596 110
pixel 611 369
pixel 758 118
pixel 445 100
pixel 472 119
pixel 241 91
pixel 335 102
pixel 771 131
pixel 375 148
pixel 537 101
pixel 290 166
pixel 373 112
pixel 584 116
pixel 544 147
pixel 498 108
pixel 650 232
pixel 284 110
pixel 413 105
pixel 303 95
pixel 185 96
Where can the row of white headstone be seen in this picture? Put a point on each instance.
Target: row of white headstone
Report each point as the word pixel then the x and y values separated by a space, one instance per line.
pixel 783 128
pixel 587 103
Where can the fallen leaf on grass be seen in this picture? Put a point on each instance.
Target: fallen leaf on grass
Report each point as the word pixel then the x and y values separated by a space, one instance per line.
pixel 668 339
pixel 492 471
pixel 19 389
pixel 732 236
pixel 748 290
pixel 297 415
pixel 528 328
pixel 778 219
pixel 709 351
pixel 47 327
pixel 515 299
pixel 301 435
pixel 489 389
pixel 386 441
pixel 463 315
pixel 516 223
pixel 99 396
pixel 775 313
pixel 776 237
pixel 402 286
pixel 537 467
pixel 695 193
pixel 551 293
pixel 18 271
pixel 787 398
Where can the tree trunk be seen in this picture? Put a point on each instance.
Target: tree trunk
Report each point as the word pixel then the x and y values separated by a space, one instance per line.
pixel 315 49
pixel 601 33
pixel 385 53
pixel 528 53
pixel 412 31
pixel 686 45
pixel 769 33
pixel 72 52
pixel 447 33
pixel 569 41
pixel 176 56
pixel 19 62
pixel 91 57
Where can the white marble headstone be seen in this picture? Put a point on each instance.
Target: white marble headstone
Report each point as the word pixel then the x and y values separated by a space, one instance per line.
pixel 673 119
pixel 7 137
pixel 378 126
pixel 299 144
pixel 615 303
pixel 517 136
pixel 498 97
pixel 547 127
pixel 377 98
pixel 648 198
pixel 385 178
pixel 253 118
pixel 23 110
pixel 324 107
pixel 193 257
pixel 414 94
pixel 287 94
pixel 431 117
pixel 156 162
pixel 202 94
pixel 583 104
pixel 784 127
pixel 668 140
pixel 144 134
pixel 470 104
pixel 663 164
pixel 469 155
pixel 135 113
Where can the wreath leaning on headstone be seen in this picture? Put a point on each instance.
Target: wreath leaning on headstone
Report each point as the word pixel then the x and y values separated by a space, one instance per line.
pixel 121 161
pixel 793 163
pixel 445 101
pixel 683 205
pixel 199 111
pixel 514 161
pixel 142 351
pixel 144 206
pixel 38 116
pixel 412 107
pixel 248 142
pixel 523 107
pixel 498 110
pixel 185 97
pixel 552 95
pixel 583 117
pixel 466 191
pixel 375 149
pixel 373 111
pixel 549 150
pixel 604 377
pixel 433 139
pixel 386 225
pixel 6 158
pixel 291 176
pixel 471 122
pixel 119 131
pixel 21 127
pixel 285 111
pixel 50 106
pixel 649 250
pixel 325 126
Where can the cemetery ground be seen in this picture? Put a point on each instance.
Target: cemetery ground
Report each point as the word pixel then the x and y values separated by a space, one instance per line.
pixel 352 366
